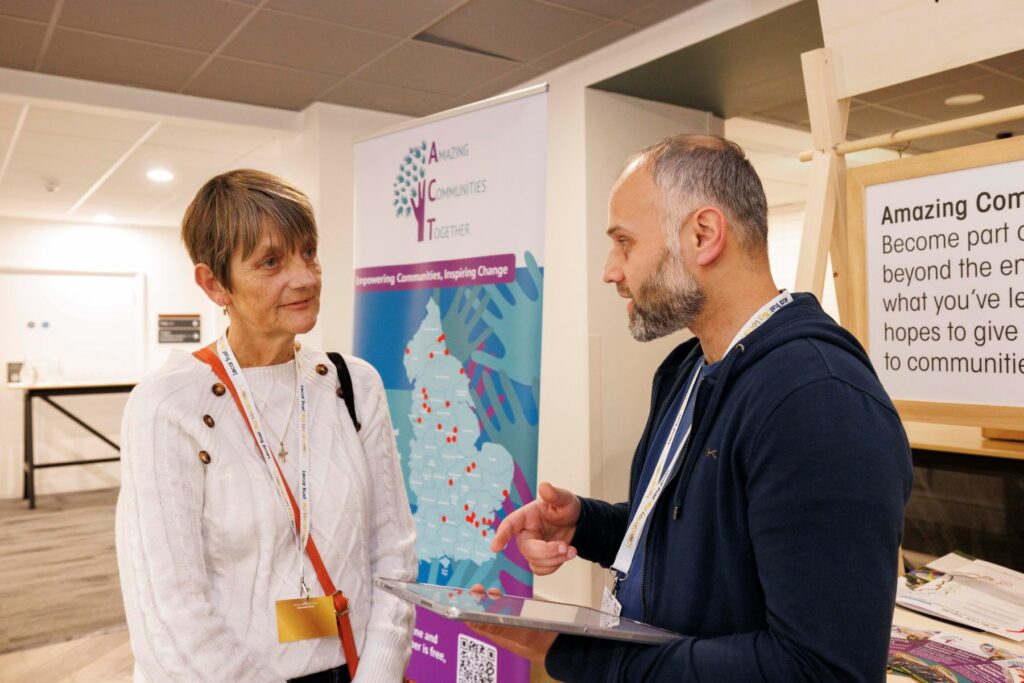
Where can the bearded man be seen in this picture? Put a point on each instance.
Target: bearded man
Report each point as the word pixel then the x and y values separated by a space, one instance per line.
pixel 766 498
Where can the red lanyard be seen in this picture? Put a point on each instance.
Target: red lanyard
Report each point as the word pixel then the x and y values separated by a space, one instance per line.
pixel 348 642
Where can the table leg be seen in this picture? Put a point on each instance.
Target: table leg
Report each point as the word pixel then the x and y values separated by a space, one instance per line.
pixel 30 482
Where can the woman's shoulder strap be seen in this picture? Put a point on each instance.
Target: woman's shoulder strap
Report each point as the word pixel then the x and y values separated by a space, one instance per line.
pixel 345 379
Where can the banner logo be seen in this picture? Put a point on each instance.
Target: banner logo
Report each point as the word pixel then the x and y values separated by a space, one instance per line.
pixel 410 187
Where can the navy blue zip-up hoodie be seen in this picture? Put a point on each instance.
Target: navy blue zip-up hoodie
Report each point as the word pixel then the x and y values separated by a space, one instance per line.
pixel 774 549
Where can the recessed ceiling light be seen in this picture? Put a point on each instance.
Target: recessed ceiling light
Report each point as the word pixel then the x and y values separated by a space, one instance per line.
pixel 103 218
pixel 159 175
pixel 964 100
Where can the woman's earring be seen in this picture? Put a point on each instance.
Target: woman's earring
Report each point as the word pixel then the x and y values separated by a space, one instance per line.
pixel 225 309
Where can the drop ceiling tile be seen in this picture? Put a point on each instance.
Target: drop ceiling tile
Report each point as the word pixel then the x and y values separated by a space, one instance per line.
pixel 1007 62
pixel 288 40
pixel 661 10
pixel 20 42
pixel 792 113
pixel 960 139
pixel 71 149
pixel 999 91
pixel 515 29
pixel 270 86
pixel 867 121
pixel 84 125
pixel 367 95
pixel 193 24
pixel 1015 127
pixel 522 76
pixel 393 17
pixel 434 68
pixel 36 10
pixel 925 84
pixel 9 113
pixel 584 46
pixel 115 60
pixel 231 140
pixel 613 9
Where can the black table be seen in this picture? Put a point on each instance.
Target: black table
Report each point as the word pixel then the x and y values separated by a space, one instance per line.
pixel 46 393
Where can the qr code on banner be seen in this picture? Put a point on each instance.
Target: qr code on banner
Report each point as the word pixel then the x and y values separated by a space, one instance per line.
pixel 478 661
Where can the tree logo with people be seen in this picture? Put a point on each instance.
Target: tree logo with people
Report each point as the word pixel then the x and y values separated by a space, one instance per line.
pixel 410 187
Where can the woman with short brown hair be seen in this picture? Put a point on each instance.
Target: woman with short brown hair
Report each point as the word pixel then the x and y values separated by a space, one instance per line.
pixel 251 499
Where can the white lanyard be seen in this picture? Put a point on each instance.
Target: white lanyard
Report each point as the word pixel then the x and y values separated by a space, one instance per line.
pixel 659 478
pixel 256 425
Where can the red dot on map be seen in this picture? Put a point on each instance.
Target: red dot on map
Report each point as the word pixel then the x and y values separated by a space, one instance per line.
pixel 450 482
pixel 462 371
pixel 429 409
pixel 483 533
pixel 474 465
pixel 424 406
pixel 466 507
pixel 455 430
pixel 446 352
pixel 447 404
pixel 431 355
pixel 444 518
pixel 419 420
pixel 505 493
pixel 454 439
pixel 478 525
pixel 440 339
pixel 407 351
pixel 438 426
pixel 468 469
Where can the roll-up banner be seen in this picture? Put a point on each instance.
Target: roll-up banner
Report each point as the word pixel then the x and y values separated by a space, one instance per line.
pixel 449 283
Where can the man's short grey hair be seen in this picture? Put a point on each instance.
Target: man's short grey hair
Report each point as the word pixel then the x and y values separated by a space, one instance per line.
pixel 692 170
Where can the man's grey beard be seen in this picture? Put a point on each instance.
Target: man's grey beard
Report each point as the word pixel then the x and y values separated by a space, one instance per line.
pixel 666 301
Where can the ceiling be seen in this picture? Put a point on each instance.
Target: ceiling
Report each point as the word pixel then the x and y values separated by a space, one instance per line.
pixel 60 162
pixel 411 57
pixel 67 164
pixel 753 71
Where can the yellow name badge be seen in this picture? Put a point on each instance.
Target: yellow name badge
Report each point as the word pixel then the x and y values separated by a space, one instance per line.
pixel 302 619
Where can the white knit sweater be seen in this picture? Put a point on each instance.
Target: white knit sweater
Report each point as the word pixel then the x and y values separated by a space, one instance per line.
pixel 205 550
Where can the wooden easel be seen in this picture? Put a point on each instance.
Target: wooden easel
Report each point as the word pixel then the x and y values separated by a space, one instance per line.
pixel 825 220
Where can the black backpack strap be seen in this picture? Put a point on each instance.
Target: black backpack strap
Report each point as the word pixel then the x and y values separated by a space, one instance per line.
pixel 345 379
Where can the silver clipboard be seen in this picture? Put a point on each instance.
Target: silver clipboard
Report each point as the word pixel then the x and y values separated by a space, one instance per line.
pixel 460 605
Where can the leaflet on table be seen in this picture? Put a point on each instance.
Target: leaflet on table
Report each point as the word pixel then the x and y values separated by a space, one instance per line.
pixel 971 592
pixel 936 657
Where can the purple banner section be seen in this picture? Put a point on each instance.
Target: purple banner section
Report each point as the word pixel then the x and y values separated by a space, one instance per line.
pixel 444 650
pixel 480 270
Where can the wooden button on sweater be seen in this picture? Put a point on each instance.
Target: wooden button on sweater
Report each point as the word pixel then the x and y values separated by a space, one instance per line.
pixel 208 421
pixel 204 457
pixel 321 369
pixel 218 389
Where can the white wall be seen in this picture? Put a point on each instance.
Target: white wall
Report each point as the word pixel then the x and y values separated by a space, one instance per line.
pixel 157 254
pixel 567 455
pixel 616 127
pixel 322 160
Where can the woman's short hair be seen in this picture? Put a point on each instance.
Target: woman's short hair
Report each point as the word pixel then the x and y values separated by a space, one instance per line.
pixel 233 211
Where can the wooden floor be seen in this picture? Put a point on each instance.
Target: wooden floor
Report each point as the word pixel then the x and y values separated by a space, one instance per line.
pixel 58 570
pixel 103 658
pixel 61 616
